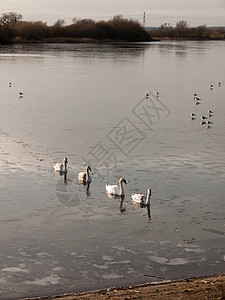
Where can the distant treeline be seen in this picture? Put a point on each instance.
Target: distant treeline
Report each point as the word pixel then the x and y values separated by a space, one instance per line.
pixel 14 29
pixel 183 31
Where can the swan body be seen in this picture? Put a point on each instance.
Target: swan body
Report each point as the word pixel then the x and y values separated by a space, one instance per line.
pixel 85 176
pixel 116 189
pixel 62 168
pixel 141 199
pixel 210 113
pixel 197 98
pixel 209 122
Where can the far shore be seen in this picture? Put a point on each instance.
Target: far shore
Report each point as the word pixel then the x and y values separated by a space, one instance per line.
pixel 68 40
pixel 210 287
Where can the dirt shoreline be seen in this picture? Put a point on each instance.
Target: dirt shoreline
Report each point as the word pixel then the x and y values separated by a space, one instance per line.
pixel 208 287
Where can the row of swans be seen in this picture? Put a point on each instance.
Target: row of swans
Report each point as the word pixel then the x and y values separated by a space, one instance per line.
pixel 111 189
pixel 84 177
pixel 118 190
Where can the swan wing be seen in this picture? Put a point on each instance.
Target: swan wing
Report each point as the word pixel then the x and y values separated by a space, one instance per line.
pixel 112 189
pixel 138 198
pixel 58 167
pixel 81 176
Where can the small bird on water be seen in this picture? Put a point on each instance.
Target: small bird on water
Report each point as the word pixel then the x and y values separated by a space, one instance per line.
pixel 197 99
pixel 193 116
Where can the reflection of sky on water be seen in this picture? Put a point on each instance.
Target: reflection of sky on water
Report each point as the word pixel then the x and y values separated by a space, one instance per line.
pixel 60 236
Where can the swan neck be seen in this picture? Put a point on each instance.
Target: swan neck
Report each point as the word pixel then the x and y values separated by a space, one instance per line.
pixel 87 175
pixel 121 188
pixel 148 198
pixel 65 165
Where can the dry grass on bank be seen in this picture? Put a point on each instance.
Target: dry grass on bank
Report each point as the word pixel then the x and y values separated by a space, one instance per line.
pixel 212 287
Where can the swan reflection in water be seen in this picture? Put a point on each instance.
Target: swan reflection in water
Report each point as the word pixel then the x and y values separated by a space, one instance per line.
pixel 87 185
pixel 147 207
pixel 120 197
pixel 65 180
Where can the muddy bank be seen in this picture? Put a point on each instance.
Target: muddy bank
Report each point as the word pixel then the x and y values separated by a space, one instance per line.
pixel 211 287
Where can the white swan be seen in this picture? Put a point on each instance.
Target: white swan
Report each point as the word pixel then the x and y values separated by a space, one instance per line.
pixel 85 176
pixel 62 168
pixel 210 113
pixel 141 199
pixel 193 116
pixel 116 189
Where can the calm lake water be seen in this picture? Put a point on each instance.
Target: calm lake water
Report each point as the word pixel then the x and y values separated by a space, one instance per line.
pixel 87 102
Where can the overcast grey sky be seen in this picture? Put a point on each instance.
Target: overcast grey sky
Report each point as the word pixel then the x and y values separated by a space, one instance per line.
pixel 195 12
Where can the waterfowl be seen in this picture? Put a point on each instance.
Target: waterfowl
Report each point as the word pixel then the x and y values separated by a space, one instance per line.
pixel 62 168
pixel 210 113
pixel 193 115
pixel 147 95
pixel 20 93
pixel 203 118
pixel 116 189
pixel 197 98
pixel 141 199
pixel 195 94
pixel 85 176
pixel 209 122
pixel 211 86
pixel 157 94
pixel 219 83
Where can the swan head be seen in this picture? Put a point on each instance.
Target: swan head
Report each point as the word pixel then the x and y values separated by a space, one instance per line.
pixel 65 160
pixel 88 168
pixel 123 180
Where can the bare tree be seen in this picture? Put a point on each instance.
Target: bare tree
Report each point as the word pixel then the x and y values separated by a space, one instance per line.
pixel 74 20
pixel 10 18
pixel 59 23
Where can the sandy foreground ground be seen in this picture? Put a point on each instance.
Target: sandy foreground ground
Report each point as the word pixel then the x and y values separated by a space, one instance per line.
pixel 212 287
